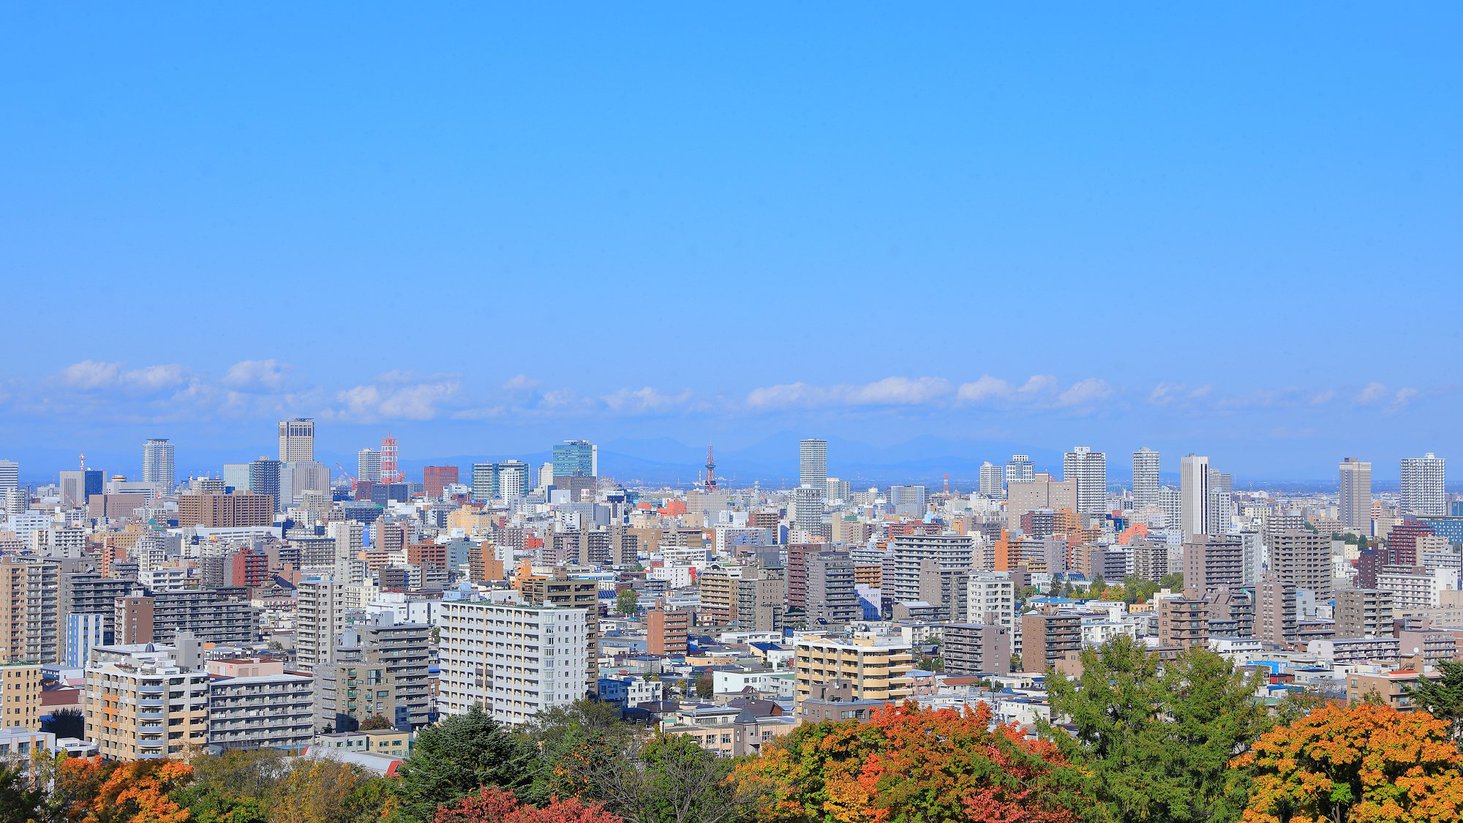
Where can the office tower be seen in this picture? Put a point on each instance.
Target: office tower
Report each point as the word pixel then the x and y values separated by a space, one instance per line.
pixel 485 481
pixel 1423 481
pixel 1038 492
pixel 1303 558
pixel 907 501
pixel 9 476
pixel 437 478
pixel 832 597
pixel 264 479
pixel 1212 561
pixel 78 485
pixel 872 668
pixel 512 660
pixel 666 631
pixel 576 458
pixel 761 599
pixel 296 440
pixel 368 465
pixel 236 476
pixel 1194 494
pixel 513 479
pixel 1145 478
pixel 948 551
pixel 255 704
pixel 991 484
pixel 157 462
pixel 1020 469
pixel 1355 495
pixel 581 595
pixel 1088 470
pixel 146 702
pixel 298 478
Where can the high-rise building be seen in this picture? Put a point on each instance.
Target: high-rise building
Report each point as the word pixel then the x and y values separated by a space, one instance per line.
pixel 666 630
pixel 145 701
pixel 1194 494
pixel 1145 478
pixel 1423 482
pixel 78 485
pixel 296 440
pixel 807 502
pixel 813 463
pixel 225 511
pixel 1088 469
pixel 1212 561
pixel 907 501
pixel 832 597
pixel 1303 558
pixel 368 465
pixel 513 479
pixel 1355 492
pixel 437 478
pixel 256 704
pixel 576 458
pixel 20 695
pixel 513 660
pixel 947 551
pixel 9 476
pixel 873 668
pixel 1019 469
pixel 157 462
pixel 581 595
pixel 264 479
pixel 991 480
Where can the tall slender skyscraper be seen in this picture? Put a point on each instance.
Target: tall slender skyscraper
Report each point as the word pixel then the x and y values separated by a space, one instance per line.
pixel 9 475
pixel 813 463
pixel 1423 482
pixel 296 440
pixel 157 462
pixel 1087 470
pixel 990 479
pixel 1145 478
pixel 1194 493
pixel 1355 493
pixel 576 458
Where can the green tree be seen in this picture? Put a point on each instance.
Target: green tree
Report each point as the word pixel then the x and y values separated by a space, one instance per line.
pixel 232 787
pixel 18 800
pixel 1173 582
pixel 705 685
pixel 627 602
pixel 669 779
pixel 375 722
pixel 566 742
pixel 1156 740
pixel 456 757
pixel 1443 697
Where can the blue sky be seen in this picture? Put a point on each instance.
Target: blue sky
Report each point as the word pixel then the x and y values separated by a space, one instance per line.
pixel 1228 230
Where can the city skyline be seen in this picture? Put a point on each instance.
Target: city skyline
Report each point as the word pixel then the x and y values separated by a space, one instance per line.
pixel 913 188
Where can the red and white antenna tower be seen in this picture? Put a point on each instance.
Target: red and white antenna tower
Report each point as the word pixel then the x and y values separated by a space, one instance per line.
pixel 390 469
pixel 710 482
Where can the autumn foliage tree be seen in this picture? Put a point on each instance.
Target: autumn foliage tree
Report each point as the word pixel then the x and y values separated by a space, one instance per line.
pixel 498 806
pixel 137 792
pixel 908 763
pixel 1362 763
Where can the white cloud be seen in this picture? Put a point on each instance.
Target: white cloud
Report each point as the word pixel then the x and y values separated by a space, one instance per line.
pixel 1401 399
pixel 155 378
pixel 255 374
pixel 1084 392
pixel 1371 394
pixel 899 391
pixel 983 389
pixel 520 384
pixel 390 399
pixel 1037 383
pixel 644 400
pixel 91 374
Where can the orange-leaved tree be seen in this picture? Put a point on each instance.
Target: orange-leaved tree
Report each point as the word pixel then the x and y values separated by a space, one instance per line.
pixel 908 763
pixel 498 806
pixel 137 792
pixel 1361 763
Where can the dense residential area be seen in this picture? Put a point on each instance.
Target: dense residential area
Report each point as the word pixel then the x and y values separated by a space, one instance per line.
pixel 522 642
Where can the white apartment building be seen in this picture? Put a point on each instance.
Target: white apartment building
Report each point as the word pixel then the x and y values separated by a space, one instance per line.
pixel 143 703
pixel 513 660
pixel 1087 469
pixel 1423 481
pixel 992 594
